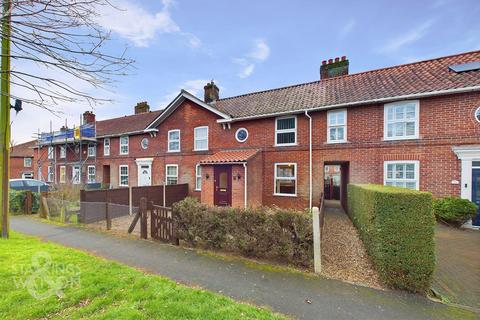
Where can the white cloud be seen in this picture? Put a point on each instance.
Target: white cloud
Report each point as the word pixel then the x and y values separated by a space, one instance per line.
pixel 407 38
pixel 139 26
pixel 195 87
pixel 347 28
pixel 259 53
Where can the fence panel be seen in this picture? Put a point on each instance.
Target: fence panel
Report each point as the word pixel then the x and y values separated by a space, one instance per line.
pixel 163 225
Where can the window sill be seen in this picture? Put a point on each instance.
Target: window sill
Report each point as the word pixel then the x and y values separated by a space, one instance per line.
pixel 123 154
pixel 284 195
pixel 286 145
pixel 197 190
pixel 200 150
pixel 337 142
pixel 400 139
pixel 173 151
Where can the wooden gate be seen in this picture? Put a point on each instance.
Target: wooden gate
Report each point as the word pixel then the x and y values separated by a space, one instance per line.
pixel 162 224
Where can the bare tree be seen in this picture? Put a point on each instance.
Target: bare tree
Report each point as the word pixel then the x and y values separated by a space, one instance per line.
pixel 64 37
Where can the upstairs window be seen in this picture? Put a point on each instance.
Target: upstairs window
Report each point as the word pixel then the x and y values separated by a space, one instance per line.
pixel 63 152
pixel 171 176
pixel 91 150
pixel 51 152
pixel 201 138
pixel 337 126
pixel 27 162
pixel 403 174
pixel 124 145
pixel 286 131
pixel 401 120
pixel 174 140
pixel 106 146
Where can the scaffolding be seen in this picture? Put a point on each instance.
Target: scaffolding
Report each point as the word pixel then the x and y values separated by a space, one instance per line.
pixel 73 142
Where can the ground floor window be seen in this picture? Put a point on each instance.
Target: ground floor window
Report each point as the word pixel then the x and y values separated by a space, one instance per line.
pixel 91 174
pixel 27 175
pixel 198 177
pixel 404 174
pixel 50 174
pixel 123 176
pixel 63 174
pixel 171 176
pixel 285 179
pixel 76 177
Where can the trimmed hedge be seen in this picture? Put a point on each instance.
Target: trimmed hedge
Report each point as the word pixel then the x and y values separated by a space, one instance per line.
pixel 16 200
pixel 453 210
pixel 397 227
pixel 270 233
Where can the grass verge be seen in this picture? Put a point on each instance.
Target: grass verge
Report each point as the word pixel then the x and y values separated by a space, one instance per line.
pixel 85 286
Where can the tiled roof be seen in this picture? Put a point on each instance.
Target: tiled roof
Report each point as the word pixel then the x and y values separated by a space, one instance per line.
pixel 23 150
pixel 408 79
pixel 126 124
pixel 230 156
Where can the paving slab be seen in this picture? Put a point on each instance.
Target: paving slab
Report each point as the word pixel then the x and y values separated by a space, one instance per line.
pixel 292 294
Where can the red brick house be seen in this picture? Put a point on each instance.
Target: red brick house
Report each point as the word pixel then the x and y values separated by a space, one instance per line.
pixel 415 125
pixel 22 164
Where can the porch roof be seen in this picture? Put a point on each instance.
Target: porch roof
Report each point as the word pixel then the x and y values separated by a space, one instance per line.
pixel 230 156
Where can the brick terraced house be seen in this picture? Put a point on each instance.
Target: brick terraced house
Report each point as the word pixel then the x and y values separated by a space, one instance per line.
pixel 415 125
pixel 22 164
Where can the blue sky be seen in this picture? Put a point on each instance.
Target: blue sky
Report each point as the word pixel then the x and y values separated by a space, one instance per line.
pixel 249 46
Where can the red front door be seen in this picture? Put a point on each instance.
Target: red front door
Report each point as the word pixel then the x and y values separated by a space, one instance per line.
pixel 223 185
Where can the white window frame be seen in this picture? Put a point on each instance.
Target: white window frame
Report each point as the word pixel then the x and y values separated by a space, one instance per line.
pixel 386 121
pixel 27 159
pixel 79 174
pixel 50 174
pixel 417 171
pixel 51 152
pixel 91 150
pixel 236 135
pixel 198 177
pixel 195 138
pixel 63 177
pixel 125 144
pixel 275 178
pixel 169 141
pixel 277 131
pixel 166 172
pixel 106 146
pixel 90 174
pixel 63 152
pixel 120 175
pixel 344 125
pixel 27 175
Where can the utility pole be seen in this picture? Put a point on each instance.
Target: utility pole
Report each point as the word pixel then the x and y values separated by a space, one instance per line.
pixel 5 119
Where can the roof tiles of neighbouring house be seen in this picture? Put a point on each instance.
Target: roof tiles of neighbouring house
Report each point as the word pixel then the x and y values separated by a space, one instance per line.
pixel 230 156
pixel 408 79
pixel 23 150
pixel 127 124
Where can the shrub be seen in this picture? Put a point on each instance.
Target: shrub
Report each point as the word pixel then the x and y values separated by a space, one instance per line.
pixel 270 233
pixel 16 200
pixel 454 210
pixel 397 228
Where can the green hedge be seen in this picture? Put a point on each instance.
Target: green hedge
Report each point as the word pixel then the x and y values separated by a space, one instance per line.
pixel 270 233
pixel 17 200
pixel 397 228
pixel 454 211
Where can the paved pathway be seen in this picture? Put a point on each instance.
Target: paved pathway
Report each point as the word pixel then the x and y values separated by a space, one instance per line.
pixel 457 275
pixel 287 293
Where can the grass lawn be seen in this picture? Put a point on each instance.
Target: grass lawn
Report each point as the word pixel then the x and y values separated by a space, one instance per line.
pixel 95 288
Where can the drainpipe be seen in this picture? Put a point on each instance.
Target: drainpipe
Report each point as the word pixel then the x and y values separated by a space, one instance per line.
pixel 309 159
pixel 246 181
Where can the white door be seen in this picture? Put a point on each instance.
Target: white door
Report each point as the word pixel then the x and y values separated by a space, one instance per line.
pixel 145 175
pixel 76 174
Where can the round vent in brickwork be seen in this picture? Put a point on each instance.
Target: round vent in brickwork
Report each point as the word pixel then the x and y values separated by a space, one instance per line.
pixel 477 114
pixel 241 135
pixel 144 143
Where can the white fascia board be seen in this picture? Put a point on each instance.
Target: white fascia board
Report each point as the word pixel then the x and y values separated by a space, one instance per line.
pixel 351 104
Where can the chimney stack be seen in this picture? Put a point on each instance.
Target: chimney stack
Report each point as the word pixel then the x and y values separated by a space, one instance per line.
pixel 332 68
pixel 212 93
pixel 142 107
pixel 88 117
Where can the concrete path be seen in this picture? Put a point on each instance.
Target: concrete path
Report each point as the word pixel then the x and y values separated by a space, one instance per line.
pixel 457 275
pixel 292 294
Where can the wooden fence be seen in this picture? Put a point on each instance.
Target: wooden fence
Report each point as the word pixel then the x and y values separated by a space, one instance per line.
pixel 93 202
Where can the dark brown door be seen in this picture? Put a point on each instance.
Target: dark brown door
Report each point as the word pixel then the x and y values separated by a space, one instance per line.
pixel 106 175
pixel 223 185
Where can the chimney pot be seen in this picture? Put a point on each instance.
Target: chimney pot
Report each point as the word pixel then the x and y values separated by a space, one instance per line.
pixel 330 61
pixel 337 59
pixel 324 62
pixel 344 58
pixel 212 93
pixel 142 107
